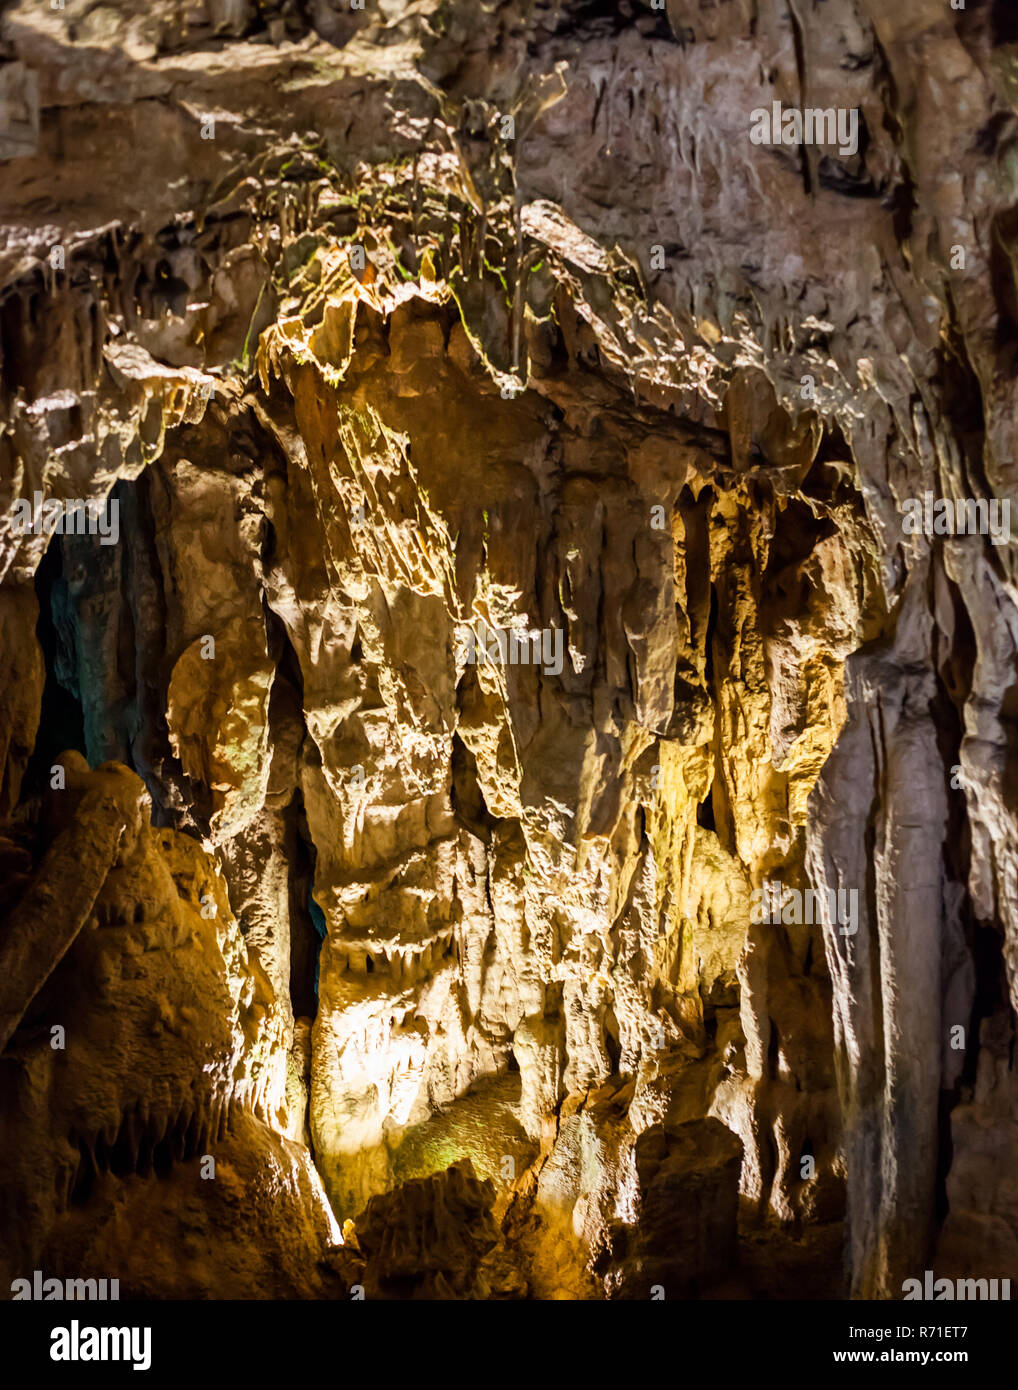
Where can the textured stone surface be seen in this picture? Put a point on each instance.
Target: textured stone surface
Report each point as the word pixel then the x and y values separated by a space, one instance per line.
pixel 56 906
pixel 562 389
pixel 429 1237
pixel 171 1054
pixel 684 1237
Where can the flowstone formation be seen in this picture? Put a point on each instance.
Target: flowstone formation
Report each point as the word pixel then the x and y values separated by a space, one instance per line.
pixel 506 783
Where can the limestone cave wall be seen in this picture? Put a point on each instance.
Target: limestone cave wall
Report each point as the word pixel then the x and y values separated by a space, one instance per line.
pixel 341 946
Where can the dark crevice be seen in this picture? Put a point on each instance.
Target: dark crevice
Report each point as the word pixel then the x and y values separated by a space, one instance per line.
pixel 307 921
pixel 62 722
pixel 710 637
pixel 1005 21
pixel 612 1045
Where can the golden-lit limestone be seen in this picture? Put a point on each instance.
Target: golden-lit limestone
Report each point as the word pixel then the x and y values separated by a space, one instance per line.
pixel 173 1041
pixel 217 713
pixel 596 924
pixel 77 862
pixel 432 1238
pixel 259 1229
pixel 128 402
pixel 604 911
pixel 682 1235
pixel 608 949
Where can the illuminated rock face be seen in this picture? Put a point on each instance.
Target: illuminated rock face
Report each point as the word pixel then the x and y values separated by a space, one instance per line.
pixel 522 728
